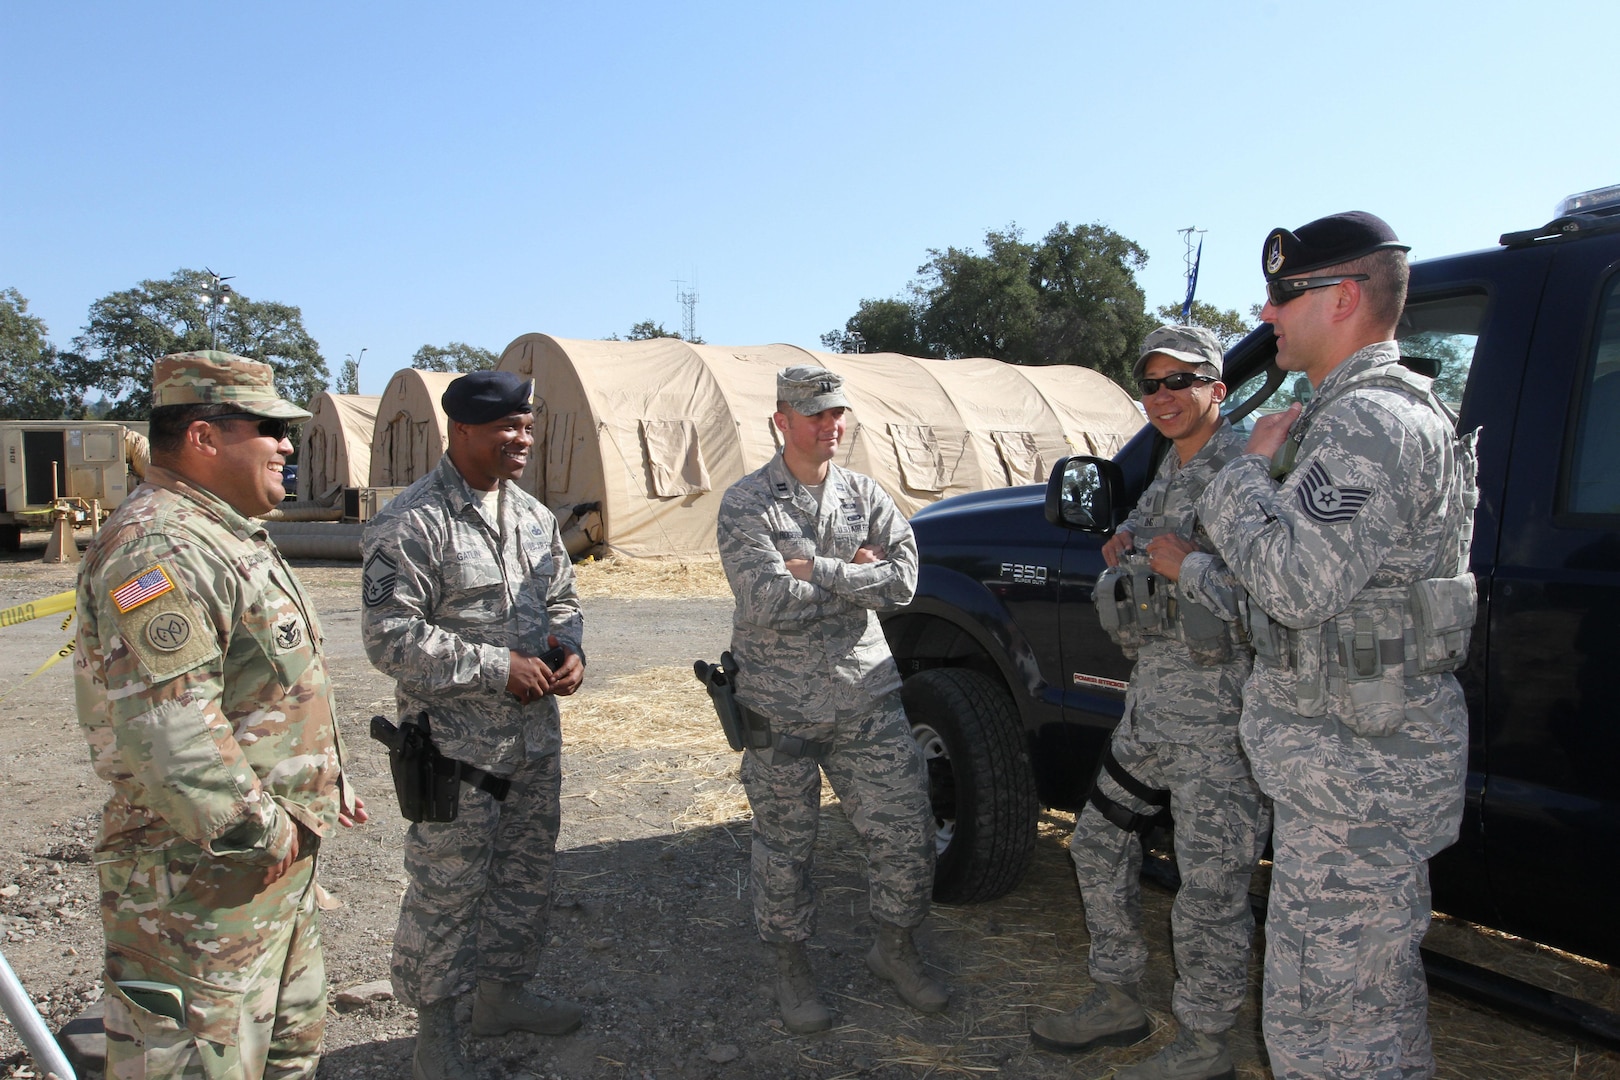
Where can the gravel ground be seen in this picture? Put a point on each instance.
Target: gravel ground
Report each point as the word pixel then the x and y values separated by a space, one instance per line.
pixel 652 931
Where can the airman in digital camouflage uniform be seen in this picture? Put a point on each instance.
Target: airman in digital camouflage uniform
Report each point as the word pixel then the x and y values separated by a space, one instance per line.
pixel 1360 604
pixel 205 699
pixel 812 552
pixel 466 584
pixel 1176 746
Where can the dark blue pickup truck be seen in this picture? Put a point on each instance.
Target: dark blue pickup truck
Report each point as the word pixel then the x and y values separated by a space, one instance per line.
pixel 1012 686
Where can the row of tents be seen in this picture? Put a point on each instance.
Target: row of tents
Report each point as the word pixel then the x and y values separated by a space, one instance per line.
pixel 635 441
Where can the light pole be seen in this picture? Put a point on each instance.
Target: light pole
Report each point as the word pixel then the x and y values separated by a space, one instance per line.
pixel 215 294
pixel 355 360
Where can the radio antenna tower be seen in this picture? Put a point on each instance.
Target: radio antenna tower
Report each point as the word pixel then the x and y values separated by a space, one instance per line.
pixel 688 299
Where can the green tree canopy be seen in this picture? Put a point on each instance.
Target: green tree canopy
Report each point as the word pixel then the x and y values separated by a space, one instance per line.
pixel 32 384
pixel 1070 299
pixel 1228 324
pixel 130 330
pixel 647 330
pixel 456 356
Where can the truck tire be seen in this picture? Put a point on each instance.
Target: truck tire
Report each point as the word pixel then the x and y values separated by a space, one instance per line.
pixel 979 782
pixel 10 537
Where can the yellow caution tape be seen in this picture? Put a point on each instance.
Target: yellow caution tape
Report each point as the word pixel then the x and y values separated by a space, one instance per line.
pixel 37 609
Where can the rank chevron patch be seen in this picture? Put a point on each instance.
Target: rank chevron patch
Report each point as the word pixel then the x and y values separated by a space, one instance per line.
pixel 1324 501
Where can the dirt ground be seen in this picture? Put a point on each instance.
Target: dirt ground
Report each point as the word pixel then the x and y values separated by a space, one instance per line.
pixel 652 930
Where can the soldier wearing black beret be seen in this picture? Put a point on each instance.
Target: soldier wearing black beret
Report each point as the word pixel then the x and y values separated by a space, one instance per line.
pixel 466 587
pixel 1347 523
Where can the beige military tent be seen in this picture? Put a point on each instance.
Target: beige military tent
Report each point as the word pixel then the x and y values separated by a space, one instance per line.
pixel 334 449
pixel 637 440
pixel 411 431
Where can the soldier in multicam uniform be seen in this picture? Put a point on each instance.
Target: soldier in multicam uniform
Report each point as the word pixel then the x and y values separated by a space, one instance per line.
pixel 1176 746
pixel 1360 604
pixel 466 584
pixel 205 699
pixel 812 551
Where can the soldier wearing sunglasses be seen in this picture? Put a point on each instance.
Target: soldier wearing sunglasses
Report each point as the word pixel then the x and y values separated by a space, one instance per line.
pixel 1353 547
pixel 1176 746
pixel 205 698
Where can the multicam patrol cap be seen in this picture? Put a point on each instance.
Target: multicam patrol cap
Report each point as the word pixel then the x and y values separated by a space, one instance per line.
pixel 210 377
pixel 808 389
pixel 1327 241
pixel 1189 344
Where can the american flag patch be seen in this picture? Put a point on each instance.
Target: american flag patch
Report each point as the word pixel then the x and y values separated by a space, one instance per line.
pixel 155 582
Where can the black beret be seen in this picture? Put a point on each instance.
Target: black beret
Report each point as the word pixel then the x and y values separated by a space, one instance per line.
pixel 1326 241
pixel 482 396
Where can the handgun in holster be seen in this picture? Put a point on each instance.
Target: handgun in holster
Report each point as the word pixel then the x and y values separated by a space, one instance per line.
pixel 744 728
pixel 428 784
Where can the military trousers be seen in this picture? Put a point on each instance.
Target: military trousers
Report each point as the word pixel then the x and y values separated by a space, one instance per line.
pixel 876 769
pixel 1345 993
pixel 1221 825
pixel 211 974
pixel 479 898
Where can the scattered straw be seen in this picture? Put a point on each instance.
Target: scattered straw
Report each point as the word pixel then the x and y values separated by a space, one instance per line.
pixel 641 579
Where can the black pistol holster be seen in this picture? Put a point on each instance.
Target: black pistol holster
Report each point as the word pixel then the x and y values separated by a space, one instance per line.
pixel 428 784
pixel 744 728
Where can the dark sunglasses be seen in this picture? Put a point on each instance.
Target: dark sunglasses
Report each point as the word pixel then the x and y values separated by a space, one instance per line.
pixel 1176 380
pixel 1281 291
pixel 269 427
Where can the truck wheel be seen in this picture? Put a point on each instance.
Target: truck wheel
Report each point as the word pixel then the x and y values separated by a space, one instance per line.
pixel 10 537
pixel 979 782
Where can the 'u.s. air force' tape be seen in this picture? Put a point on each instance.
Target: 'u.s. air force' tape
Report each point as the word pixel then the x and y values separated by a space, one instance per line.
pixel 36 609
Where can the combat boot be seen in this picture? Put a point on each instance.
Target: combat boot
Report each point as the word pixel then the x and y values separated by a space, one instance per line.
pixel 1109 1017
pixel 802 1010
pixel 502 1007
pixel 1193 1056
pixel 894 957
pixel 438 1054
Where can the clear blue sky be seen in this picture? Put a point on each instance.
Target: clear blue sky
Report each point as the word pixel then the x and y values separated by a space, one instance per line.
pixel 413 174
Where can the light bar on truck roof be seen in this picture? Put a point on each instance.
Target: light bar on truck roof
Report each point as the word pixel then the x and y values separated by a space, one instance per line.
pixel 1603 198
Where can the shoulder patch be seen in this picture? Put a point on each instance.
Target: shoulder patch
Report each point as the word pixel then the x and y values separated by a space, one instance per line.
pixel 1327 502
pixel 166 634
pixel 148 585
pixel 377 580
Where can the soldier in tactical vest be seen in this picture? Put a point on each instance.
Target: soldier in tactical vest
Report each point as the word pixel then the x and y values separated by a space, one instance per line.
pixel 812 552
pixel 1353 548
pixel 1174 606
pixel 466 587
pixel 204 695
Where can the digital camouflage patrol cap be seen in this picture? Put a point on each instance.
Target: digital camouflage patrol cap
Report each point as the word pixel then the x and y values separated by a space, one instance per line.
pixel 1189 344
pixel 1327 241
pixel 210 377
pixel 808 390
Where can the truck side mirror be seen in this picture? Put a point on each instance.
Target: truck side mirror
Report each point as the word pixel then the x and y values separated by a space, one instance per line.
pixel 1083 492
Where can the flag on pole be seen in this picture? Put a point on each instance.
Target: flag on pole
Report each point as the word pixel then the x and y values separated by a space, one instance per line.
pixel 1192 283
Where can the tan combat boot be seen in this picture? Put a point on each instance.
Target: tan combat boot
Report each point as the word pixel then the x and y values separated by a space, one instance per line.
pixel 502 1007
pixel 1193 1056
pixel 894 957
pixel 438 1054
pixel 802 1010
pixel 1109 1017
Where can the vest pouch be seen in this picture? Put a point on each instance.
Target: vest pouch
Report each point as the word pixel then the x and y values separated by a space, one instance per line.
pixel 1147 591
pixel 1310 669
pixel 1442 612
pixel 1369 654
pixel 1116 609
pixel 1269 639
pixel 1207 637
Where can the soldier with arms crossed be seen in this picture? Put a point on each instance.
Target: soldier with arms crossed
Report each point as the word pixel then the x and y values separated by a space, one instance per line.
pixel 466 585
pixel 812 552
pixel 1360 604
pixel 205 699
pixel 1176 746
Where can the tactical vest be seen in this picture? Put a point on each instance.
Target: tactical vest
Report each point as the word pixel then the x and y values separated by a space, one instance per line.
pixel 1135 605
pixel 1366 653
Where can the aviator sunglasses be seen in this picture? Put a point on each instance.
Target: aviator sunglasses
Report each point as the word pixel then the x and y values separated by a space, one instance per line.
pixel 1285 289
pixel 1176 380
pixel 269 427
